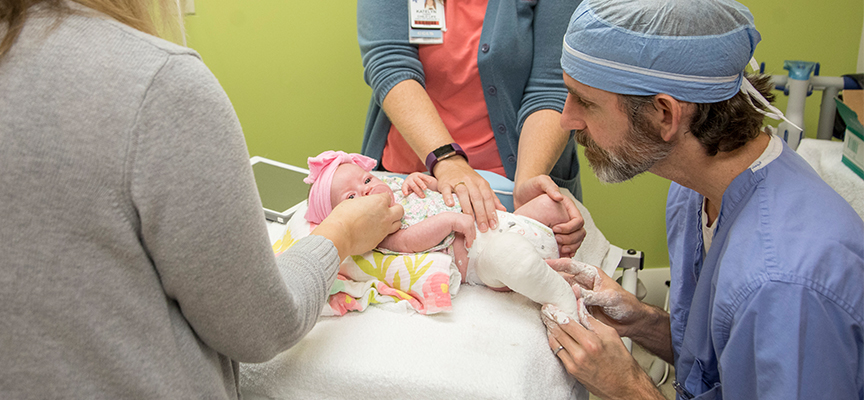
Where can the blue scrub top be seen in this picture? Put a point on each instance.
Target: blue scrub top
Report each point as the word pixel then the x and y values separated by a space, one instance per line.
pixel 776 308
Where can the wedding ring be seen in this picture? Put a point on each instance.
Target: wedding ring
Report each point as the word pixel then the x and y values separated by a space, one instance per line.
pixel 557 350
pixel 457 184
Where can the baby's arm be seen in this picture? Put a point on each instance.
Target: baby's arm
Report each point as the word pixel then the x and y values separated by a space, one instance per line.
pixel 430 232
pixel 417 182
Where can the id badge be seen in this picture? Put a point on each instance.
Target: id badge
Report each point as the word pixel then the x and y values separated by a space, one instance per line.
pixel 427 22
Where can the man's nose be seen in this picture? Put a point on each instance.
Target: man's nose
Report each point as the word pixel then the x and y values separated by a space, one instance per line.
pixel 570 116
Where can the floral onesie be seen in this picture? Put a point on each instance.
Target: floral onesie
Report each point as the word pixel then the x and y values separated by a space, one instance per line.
pixel 418 209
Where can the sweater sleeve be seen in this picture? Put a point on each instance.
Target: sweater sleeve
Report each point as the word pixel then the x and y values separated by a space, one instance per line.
pixel 545 88
pixel 388 57
pixel 203 227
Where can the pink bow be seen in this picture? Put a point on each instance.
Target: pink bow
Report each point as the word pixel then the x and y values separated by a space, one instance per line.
pixel 321 170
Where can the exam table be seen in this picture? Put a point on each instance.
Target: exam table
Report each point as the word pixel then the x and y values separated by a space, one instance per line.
pixel 491 345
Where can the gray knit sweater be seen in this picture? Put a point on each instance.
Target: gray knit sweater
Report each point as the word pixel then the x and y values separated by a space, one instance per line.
pixel 134 259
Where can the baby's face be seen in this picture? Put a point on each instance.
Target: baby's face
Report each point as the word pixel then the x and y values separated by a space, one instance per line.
pixel 351 181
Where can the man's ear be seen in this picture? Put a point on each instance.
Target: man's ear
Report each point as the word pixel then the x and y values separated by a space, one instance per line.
pixel 671 115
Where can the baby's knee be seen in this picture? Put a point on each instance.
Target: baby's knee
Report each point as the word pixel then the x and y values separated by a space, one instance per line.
pixel 460 256
pixel 543 200
pixel 542 208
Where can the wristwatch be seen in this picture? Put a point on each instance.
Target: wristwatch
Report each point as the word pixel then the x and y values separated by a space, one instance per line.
pixel 442 153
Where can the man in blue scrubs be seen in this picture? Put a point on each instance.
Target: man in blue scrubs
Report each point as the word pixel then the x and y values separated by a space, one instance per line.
pixel 767 261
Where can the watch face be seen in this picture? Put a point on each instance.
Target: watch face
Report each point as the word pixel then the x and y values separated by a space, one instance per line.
pixel 446 149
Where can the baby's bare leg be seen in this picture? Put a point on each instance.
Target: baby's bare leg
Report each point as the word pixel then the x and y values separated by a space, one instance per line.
pixel 460 255
pixel 542 208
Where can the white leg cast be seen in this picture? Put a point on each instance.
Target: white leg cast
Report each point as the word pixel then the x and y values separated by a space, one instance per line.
pixel 510 260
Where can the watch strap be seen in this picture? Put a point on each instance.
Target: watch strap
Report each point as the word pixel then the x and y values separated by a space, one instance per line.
pixel 442 153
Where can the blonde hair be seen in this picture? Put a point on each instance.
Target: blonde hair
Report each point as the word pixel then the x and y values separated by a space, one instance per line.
pixel 160 18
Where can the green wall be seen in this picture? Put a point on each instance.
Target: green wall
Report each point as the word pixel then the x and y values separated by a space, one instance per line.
pixel 292 70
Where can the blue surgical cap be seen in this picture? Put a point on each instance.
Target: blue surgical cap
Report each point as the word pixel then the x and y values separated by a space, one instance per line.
pixel 692 50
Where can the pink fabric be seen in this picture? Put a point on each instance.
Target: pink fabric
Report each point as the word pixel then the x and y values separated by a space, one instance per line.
pixel 321 170
pixel 454 86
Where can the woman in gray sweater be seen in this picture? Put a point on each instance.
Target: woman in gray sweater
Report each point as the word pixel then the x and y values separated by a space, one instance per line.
pixel 134 258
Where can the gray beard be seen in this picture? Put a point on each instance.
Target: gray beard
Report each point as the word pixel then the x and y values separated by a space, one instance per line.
pixel 642 149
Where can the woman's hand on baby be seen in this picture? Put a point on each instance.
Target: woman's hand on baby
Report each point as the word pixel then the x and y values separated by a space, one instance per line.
pixel 570 234
pixel 357 226
pixel 475 195
pixel 417 182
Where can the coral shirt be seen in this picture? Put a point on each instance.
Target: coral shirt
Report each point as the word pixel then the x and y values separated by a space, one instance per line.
pixel 453 84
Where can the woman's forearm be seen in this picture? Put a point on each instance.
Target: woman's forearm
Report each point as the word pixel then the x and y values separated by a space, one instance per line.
pixel 540 145
pixel 411 111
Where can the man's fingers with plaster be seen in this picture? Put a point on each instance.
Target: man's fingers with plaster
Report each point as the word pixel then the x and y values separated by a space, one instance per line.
pixel 607 300
pixel 418 182
pixel 594 354
pixel 475 195
pixel 357 226
pixel 586 276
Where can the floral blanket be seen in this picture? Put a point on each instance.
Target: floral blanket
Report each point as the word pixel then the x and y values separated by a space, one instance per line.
pixel 424 282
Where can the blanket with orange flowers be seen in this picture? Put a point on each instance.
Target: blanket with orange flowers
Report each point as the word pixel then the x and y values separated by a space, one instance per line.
pixel 422 282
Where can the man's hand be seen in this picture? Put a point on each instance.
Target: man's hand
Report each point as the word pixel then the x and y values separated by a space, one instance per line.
pixel 607 300
pixel 594 354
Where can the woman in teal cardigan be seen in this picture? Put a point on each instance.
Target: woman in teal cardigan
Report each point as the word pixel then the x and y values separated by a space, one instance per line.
pixel 510 52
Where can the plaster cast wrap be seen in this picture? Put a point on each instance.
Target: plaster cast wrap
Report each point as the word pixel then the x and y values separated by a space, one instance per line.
pixel 510 260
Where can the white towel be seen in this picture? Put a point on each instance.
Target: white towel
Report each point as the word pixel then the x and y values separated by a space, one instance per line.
pixel 825 157
pixel 491 346
pixel 595 249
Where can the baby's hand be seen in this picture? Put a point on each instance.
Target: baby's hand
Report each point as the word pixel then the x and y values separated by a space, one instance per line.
pixel 464 225
pixel 418 182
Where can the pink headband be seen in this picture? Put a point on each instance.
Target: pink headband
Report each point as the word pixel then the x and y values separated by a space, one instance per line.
pixel 321 170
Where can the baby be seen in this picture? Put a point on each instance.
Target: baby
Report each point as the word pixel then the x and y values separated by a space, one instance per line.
pixel 428 224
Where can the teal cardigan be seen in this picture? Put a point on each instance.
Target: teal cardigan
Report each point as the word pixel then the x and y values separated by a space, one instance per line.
pixel 519 59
